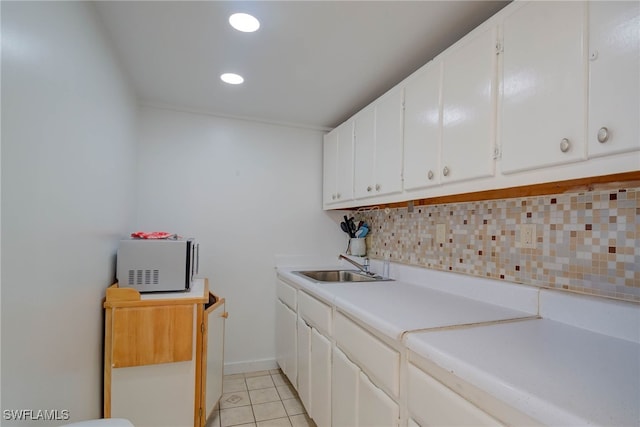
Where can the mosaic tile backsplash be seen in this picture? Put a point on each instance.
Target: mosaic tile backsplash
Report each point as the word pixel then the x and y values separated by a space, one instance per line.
pixel 586 242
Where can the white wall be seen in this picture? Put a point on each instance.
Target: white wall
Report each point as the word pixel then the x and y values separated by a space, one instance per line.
pixel 68 168
pixel 248 191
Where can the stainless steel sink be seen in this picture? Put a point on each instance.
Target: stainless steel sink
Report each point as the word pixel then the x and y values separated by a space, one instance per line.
pixel 340 276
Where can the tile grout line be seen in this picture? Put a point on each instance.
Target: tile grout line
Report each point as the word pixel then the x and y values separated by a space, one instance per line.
pixel 250 401
pixel 278 393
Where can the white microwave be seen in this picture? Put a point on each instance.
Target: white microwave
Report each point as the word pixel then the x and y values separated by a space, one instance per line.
pixel 157 265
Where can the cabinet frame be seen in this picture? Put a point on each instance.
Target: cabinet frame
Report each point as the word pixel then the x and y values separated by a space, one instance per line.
pixel 119 300
pixel 201 412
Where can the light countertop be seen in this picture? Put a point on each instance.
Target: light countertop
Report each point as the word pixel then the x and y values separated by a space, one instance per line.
pixel 552 372
pixel 560 358
pixel 395 307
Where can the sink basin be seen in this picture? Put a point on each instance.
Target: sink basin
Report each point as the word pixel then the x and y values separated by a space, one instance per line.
pixel 340 276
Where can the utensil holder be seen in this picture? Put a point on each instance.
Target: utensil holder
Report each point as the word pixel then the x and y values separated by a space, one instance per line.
pixel 358 246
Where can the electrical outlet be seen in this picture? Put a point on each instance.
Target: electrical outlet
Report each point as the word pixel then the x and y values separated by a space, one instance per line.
pixel 528 236
pixel 441 233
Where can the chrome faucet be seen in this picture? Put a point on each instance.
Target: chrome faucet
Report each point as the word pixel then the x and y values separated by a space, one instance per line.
pixel 364 268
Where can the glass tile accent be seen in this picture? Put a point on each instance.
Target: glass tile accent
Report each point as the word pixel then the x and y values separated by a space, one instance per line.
pixel 587 242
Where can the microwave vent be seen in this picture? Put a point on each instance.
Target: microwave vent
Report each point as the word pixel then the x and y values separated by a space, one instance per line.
pixel 143 277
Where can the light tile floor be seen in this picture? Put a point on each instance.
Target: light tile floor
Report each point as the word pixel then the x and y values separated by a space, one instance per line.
pixel 259 399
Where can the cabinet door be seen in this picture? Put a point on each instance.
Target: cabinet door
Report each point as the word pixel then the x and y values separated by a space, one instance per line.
pixel 388 143
pixel 286 341
pixel 422 127
pixel 330 167
pixel 614 85
pixel 543 85
pixel 320 379
pixel 364 144
pixel 304 364
pixel 213 355
pixel 344 391
pixel 434 404
pixel 374 356
pixel 469 109
pixel 344 180
pixel 375 408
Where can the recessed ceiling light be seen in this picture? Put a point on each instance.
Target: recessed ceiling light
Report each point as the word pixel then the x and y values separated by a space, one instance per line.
pixel 244 22
pixel 231 78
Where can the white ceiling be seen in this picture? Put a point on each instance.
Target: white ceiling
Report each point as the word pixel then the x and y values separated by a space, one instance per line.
pixel 311 63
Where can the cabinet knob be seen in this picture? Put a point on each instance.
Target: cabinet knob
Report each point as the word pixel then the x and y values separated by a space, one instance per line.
pixel 603 135
pixel 333 196
pixel 445 171
pixel 338 196
pixel 430 175
pixel 369 189
pixel 377 187
pixel 225 314
pixel 565 144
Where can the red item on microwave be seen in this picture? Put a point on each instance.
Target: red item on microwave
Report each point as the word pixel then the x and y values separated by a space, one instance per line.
pixel 152 235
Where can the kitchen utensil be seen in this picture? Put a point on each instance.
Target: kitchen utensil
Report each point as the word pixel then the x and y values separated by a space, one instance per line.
pixel 362 231
pixel 353 227
pixel 349 223
pixel 345 228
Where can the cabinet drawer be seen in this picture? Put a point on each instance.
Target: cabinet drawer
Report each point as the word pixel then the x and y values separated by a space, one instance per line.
pixel 376 358
pixel 287 294
pixel 432 403
pixel 315 312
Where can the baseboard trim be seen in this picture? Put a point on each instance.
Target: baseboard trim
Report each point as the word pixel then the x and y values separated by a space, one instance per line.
pixel 249 366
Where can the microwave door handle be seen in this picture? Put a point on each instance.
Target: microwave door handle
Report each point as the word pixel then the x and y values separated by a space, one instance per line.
pixel 197 258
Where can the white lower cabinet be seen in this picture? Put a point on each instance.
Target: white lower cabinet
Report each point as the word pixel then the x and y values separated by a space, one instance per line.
pixel 314 357
pixel 314 373
pixel 356 400
pixel 355 381
pixel 286 341
pixel 375 357
pixel 375 408
pixel 320 368
pixel 344 391
pixel 304 364
pixel 433 404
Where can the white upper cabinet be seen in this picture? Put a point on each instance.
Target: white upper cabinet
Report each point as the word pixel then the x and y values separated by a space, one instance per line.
pixel 614 77
pixel 365 145
pixel 388 154
pixel 543 91
pixel 338 164
pixel 378 146
pixel 469 108
pixel 422 127
pixel 330 167
pixel 543 85
pixel 345 162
